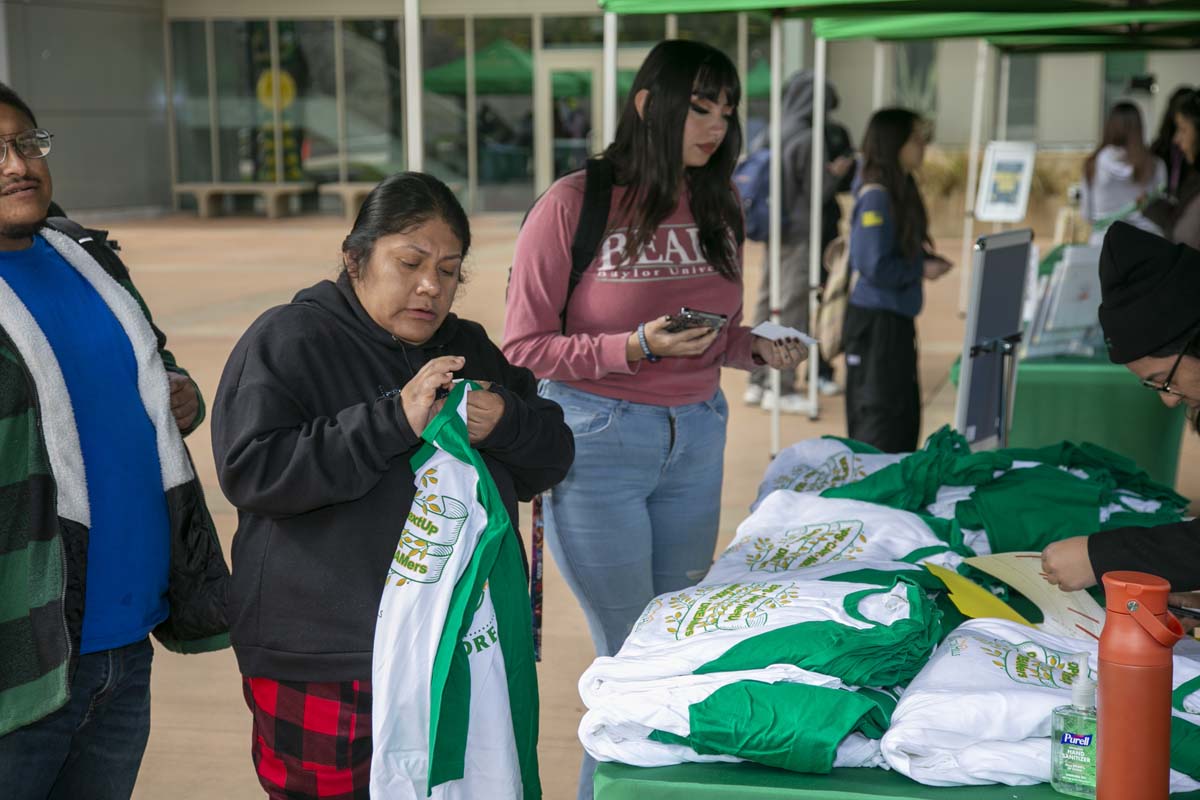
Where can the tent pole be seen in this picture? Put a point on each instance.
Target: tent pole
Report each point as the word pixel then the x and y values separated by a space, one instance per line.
pixel 1002 112
pixel 877 91
pixel 814 224
pixel 964 263
pixel 414 133
pixel 776 203
pixel 609 127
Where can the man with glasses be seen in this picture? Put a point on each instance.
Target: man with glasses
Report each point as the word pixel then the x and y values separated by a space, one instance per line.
pixel 1150 312
pixel 104 535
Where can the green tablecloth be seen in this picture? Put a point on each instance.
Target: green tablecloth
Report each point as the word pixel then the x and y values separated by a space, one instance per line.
pixel 1093 400
pixel 754 782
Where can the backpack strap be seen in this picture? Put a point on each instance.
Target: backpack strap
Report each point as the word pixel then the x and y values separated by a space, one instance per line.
pixel 593 222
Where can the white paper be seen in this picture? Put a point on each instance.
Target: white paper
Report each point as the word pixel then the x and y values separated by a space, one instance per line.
pixel 774 332
pixel 1064 613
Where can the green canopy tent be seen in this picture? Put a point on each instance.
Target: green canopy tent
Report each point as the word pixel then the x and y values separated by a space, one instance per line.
pixel 989 17
pixel 501 68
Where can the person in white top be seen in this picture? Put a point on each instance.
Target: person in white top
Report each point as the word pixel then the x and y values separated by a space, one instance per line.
pixel 1121 172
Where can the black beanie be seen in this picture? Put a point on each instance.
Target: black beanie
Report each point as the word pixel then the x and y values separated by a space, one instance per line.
pixel 1149 292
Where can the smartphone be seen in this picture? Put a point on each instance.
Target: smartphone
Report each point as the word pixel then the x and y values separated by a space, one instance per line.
pixel 691 318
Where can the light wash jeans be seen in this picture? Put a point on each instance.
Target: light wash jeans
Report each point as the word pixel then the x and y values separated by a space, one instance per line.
pixel 638 513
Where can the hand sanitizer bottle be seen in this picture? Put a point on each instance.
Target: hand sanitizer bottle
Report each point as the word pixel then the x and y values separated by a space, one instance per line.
pixel 1073 746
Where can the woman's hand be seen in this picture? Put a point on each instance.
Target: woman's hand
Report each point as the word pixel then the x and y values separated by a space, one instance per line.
pixel 780 353
pixel 684 344
pixel 418 395
pixel 1066 564
pixel 936 267
pixel 484 410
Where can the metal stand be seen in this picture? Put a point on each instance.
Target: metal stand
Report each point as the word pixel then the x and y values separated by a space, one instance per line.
pixel 1006 346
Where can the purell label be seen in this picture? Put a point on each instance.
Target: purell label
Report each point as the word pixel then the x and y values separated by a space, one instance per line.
pixel 1077 739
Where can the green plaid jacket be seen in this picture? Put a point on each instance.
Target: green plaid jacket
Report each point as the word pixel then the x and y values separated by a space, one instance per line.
pixel 43 557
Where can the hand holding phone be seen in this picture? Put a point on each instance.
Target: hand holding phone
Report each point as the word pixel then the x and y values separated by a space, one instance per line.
pixel 691 318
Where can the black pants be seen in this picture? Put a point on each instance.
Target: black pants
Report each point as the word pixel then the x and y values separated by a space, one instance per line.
pixel 883 397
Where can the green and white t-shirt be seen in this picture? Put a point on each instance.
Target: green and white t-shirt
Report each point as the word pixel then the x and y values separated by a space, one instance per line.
pixel 454 693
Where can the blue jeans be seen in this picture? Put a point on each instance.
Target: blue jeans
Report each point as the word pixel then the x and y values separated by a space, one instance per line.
pixel 638 513
pixel 91 747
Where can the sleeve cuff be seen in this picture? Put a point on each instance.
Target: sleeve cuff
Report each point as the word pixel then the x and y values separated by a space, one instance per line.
pixel 612 355
pixel 739 353
pixel 505 432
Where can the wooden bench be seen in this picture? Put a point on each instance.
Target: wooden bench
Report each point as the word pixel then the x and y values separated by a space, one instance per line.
pixel 275 195
pixel 352 193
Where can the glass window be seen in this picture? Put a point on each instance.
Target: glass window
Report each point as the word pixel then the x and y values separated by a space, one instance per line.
pixel 245 124
pixel 374 88
pixel 719 30
pixel 1119 68
pixel 1022 98
pixel 189 99
pixel 444 61
pixel 641 28
pixel 504 113
pixel 916 76
pixel 308 100
pixel 757 85
pixel 572 31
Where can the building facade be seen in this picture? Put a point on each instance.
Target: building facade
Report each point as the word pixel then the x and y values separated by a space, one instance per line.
pixel 146 95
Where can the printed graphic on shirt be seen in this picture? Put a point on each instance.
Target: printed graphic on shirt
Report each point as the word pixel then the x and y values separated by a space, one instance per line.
pixel 427 541
pixel 673 254
pixel 872 219
pixel 803 547
pixel 482 634
pixel 837 470
pixel 728 607
pixel 1025 662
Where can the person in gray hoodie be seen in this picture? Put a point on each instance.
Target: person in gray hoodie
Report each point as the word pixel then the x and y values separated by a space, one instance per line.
pixel 797 137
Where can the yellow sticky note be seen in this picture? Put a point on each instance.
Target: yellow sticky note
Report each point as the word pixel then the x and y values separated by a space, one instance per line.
pixel 872 219
pixel 972 599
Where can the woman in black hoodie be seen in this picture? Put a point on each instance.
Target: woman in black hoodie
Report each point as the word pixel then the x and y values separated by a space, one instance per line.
pixel 320 408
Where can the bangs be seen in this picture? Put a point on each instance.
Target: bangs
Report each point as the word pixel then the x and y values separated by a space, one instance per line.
pixel 718 75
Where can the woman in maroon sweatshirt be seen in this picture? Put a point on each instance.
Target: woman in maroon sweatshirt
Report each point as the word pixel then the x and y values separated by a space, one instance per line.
pixel 637 515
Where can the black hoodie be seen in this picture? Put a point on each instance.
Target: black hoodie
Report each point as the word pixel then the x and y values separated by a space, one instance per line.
pixel 312 447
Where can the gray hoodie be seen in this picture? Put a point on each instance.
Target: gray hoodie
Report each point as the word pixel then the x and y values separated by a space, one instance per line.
pixel 797 137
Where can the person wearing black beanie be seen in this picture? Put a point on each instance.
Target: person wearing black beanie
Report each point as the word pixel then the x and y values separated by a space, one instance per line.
pixel 1150 313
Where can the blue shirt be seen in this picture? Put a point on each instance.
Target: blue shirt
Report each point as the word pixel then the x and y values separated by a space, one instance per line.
pixel 129 537
pixel 887 280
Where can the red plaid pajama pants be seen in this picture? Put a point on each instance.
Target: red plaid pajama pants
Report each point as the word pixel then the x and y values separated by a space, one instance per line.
pixel 311 741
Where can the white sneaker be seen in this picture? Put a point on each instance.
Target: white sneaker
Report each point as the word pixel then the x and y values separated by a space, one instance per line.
pixel 828 387
pixel 790 403
pixel 753 395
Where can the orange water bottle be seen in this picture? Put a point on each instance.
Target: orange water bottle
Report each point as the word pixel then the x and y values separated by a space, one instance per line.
pixel 1134 703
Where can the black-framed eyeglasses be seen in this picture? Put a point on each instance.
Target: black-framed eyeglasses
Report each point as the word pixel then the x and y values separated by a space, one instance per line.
pixel 1165 387
pixel 33 143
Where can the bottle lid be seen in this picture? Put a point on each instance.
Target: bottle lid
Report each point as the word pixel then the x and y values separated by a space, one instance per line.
pixel 1083 690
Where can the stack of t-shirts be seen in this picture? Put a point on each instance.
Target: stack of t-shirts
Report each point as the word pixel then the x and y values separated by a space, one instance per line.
pixel 980 711
pixel 792 532
pixel 769 671
pixel 1020 499
pixel 815 465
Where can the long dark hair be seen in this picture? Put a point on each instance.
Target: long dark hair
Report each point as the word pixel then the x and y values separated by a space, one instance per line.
pixel 1123 129
pixel 886 135
pixel 1189 106
pixel 398 204
pixel 648 151
pixel 1166 131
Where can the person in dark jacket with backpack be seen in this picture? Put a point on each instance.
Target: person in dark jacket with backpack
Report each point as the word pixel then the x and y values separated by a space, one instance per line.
pixel 319 411
pixel 890 250
pixel 797 138
pixel 104 534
